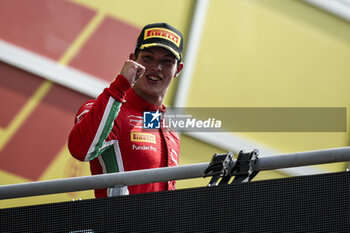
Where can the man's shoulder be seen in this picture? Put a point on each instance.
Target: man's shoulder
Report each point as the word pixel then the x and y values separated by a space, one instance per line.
pixel 85 108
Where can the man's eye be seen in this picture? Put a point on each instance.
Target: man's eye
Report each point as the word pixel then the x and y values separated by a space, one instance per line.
pixel 147 58
pixel 168 61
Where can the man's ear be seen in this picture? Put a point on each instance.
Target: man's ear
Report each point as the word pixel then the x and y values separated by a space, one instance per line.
pixel 178 69
pixel 132 56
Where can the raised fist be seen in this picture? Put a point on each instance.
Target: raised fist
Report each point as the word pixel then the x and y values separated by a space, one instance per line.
pixel 132 71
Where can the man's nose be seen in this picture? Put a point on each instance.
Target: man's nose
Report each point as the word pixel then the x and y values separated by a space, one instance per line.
pixel 157 66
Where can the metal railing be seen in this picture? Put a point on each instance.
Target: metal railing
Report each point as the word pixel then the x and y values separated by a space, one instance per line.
pixel 166 174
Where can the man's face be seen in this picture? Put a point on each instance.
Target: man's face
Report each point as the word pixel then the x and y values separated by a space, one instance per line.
pixel 161 67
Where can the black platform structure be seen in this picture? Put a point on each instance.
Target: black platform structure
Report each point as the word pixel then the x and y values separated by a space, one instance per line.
pixel 314 203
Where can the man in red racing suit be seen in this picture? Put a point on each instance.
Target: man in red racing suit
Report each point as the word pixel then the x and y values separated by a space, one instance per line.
pixel 108 131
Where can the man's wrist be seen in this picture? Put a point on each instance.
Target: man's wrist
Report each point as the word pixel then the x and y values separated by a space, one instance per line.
pixel 119 87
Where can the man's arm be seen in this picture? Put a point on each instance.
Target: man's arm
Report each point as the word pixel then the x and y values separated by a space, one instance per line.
pixel 95 119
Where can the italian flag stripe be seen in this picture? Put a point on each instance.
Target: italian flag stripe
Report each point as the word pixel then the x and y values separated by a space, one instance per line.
pixel 98 144
pixel 110 160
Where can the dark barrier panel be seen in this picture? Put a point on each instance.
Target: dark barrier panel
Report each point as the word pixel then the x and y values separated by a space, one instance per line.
pixel 318 203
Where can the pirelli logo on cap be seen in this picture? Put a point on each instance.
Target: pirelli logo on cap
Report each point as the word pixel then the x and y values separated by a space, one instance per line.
pixel 143 137
pixel 164 34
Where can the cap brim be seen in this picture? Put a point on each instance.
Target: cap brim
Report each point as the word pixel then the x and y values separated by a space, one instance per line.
pixel 173 51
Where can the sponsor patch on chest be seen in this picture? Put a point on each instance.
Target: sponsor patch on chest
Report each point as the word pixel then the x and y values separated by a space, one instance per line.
pixel 142 137
pixel 143 147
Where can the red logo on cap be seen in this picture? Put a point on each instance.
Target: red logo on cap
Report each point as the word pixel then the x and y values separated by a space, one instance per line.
pixel 162 33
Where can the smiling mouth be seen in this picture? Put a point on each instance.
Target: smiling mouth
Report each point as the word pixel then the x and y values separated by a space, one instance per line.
pixel 153 78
